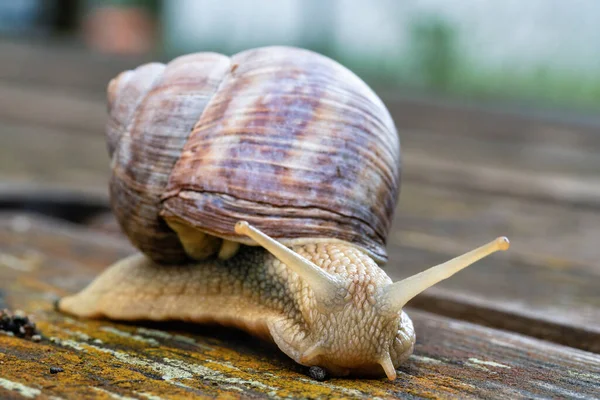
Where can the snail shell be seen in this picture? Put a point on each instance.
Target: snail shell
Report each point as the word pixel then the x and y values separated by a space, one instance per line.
pixel 284 138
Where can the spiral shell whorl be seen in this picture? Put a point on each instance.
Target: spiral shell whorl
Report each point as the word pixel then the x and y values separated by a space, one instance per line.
pixel 295 144
pixel 152 111
pixel 284 138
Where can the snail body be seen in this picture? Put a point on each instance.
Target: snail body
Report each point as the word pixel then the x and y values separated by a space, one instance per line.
pixel 275 147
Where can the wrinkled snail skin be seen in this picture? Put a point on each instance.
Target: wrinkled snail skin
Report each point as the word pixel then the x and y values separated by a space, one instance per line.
pixel 260 190
pixel 255 292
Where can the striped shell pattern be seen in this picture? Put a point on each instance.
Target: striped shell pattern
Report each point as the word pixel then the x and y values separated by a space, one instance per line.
pixel 284 138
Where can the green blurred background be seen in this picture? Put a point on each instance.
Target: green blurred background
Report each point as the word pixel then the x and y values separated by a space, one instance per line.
pixel 540 52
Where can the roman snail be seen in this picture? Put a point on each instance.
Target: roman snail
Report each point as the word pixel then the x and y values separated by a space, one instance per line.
pixel 260 189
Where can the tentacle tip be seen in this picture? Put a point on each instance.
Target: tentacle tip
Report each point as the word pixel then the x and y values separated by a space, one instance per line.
pixel 241 227
pixel 311 353
pixel 391 375
pixel 388 367
pixel 503 243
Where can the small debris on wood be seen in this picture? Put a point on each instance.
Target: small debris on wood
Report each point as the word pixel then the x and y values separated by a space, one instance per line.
pixel 56 370
pixel 19 325
pixel 317 373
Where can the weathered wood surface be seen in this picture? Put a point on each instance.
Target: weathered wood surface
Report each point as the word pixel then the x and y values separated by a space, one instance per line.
pixel 546 290
pixel 69 112
pixel 42 259
pixel 546 286
pixel 59 65
pixel 469 174
pixel 60 90
pixel 60 86
pixel 51 156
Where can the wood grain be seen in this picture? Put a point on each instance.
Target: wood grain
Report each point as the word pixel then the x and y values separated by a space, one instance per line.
pixel 546 289
pixel 546 161
pixel 559 188
pixel 52 156
pixel 71 112
pixel 505 152
pixel 470 173
pixel 60 64
pixel 545 286
pixel 515 151
pixel 44 258
pixel 450 220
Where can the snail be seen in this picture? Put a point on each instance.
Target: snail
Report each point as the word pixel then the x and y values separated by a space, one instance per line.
pixel 260 189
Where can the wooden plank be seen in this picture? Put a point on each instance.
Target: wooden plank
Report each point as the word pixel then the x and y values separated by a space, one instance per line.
pixel 504 122
pixel 74 204
pixel 500 150
pixel 545 286
pixel 52 156
pixel 51 108
pixel 47 259
pixel 558 188
pixel 549 163
pixel 506 153
pixel 541 151
pixel 553 250
pixel 60 64
pixel 549 235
